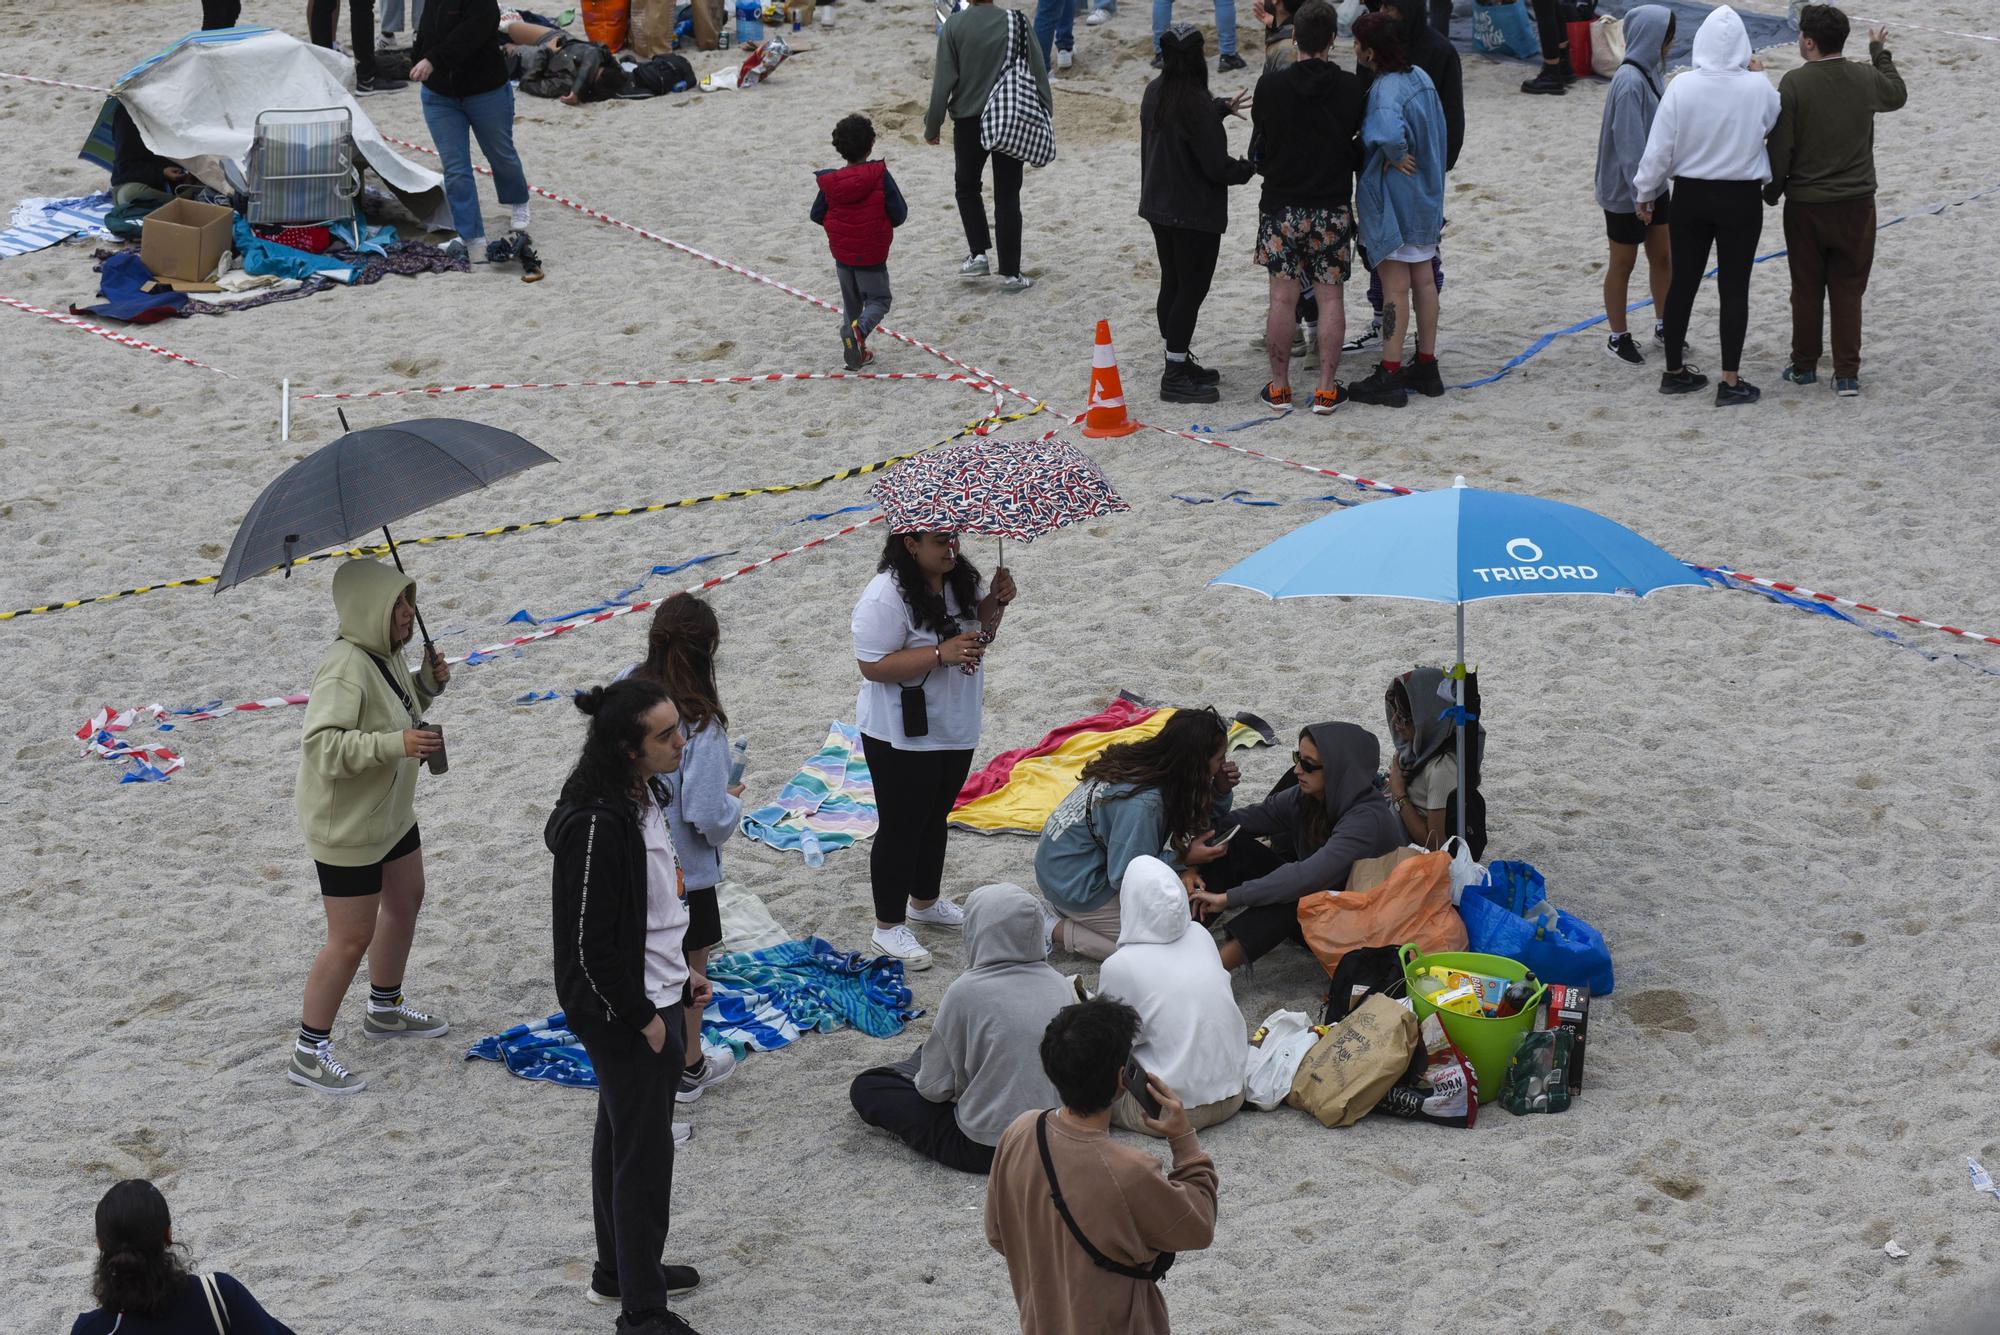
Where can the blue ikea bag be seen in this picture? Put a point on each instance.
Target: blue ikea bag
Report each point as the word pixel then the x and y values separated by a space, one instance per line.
pixel 1500 919
pixel 1505 29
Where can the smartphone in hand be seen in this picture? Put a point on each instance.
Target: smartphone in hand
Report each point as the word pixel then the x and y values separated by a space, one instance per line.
pixel 1135 1085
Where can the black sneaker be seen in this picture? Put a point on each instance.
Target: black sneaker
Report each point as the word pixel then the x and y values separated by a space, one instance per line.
pixel 1383 388
pixel 531 261
pixel 1736 395
pixel 657 1322
pixel 1684 381
pixel 1177 386
pixel 1231 61
pixel 1547 83
pixel 850 345
pixel 1423 378
pixel 1625 348
pixel 370 87
pixel 1203 374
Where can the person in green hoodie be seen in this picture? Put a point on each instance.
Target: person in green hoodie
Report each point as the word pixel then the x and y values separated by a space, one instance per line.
pixel 356 802
pixel 1823 166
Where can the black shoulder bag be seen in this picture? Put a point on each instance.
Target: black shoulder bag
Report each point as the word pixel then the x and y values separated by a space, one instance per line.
pixel 1152 1274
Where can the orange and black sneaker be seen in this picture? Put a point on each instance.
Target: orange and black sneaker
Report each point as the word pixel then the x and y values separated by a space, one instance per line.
pixel 1326 400
pixel 1275 398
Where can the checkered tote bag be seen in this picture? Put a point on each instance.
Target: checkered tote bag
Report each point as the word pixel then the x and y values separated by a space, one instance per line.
pixel 1015 122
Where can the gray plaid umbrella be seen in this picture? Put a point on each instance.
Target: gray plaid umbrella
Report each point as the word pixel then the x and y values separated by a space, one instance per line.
pixel 367 480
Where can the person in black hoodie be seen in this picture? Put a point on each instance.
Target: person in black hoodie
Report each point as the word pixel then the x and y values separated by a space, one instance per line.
pixel 1305 119
pixel 622 977
pixel 1185 172
pixel 1334 817
pixel 466 94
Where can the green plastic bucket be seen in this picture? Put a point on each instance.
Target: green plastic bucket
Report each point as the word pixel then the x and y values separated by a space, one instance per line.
pixel 1487 1043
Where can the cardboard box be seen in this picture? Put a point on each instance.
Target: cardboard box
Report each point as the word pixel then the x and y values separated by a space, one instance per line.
pixel 183 241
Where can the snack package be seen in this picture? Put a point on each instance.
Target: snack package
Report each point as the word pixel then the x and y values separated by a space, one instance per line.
pixel 763 61
pixel 1440 1086
pixel 1567 1006
pixel 1537 1079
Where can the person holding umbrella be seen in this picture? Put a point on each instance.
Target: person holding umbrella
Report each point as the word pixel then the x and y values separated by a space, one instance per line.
pixel 920 630
pixel 356 803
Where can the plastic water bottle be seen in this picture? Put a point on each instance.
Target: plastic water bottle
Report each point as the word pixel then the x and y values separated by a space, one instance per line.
pixel 739 760
pixel 749 22
pixel 809 845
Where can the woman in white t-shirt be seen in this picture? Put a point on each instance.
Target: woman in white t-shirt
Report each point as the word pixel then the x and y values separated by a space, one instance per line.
pixel 920 632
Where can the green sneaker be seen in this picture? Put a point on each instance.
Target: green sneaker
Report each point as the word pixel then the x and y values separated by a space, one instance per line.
pixel 323 1072
pixel 404 1021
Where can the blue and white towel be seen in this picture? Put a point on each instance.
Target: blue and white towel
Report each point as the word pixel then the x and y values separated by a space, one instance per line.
pixel 40 223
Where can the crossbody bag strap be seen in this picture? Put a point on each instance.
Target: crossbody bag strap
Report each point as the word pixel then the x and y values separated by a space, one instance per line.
pixel 1152 1273
pixel 218 1311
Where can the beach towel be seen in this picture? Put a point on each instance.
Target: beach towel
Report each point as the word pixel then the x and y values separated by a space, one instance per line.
pixel 1036 784
pixel 832 797
pixel 37 224
pixel 1124 712
pixel 746 923
pixel 764 1000
pixel 1765 30
pixel 101 145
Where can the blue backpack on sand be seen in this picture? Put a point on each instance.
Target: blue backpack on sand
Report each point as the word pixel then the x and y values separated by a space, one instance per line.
pixel 1501 919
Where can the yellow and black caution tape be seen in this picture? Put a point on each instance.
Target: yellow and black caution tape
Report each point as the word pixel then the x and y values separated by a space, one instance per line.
pixel 500 530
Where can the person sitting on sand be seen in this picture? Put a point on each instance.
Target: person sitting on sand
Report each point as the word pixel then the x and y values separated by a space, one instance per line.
pixel 1137 799
pixel 548 62
pixel 1333 818
pixel 1423 759
pixel 143 1287
pixel 1191 1034
pixel 978 1070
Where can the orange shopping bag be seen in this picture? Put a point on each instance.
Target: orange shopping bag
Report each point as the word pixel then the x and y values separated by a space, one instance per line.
pixel 1413 904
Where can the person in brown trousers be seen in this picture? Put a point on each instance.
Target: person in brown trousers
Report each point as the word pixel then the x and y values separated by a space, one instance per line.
pixel 1089 1225
pixel 1823 166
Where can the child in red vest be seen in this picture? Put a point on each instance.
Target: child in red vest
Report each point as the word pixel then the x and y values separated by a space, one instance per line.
pixel 860 207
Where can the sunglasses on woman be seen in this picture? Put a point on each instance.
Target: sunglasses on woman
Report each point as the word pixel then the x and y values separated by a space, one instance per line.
pixel 1306 766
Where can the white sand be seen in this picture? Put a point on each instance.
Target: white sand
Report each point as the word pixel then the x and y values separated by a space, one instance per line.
pixel 1780 821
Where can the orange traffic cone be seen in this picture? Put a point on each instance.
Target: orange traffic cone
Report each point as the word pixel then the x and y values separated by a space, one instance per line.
pixel 1106 415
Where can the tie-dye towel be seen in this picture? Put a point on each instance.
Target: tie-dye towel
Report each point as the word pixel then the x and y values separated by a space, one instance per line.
pixel 764 999
pixel 832 798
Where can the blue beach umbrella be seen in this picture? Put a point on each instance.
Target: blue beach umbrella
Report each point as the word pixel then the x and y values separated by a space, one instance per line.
pixel 1460 545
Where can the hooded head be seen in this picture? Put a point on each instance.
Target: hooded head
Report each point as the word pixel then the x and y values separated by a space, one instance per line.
pixel 1003 926
pixel 1647 29
pixel 1349 759
pixel 1418 729
pixel 1153 904
pixel 1721 46
pixel 1415 22
pixel 365 594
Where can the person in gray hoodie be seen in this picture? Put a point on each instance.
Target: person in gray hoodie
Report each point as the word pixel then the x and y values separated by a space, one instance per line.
pixel 1318 830
pixel 1629 105
pixel 981 1067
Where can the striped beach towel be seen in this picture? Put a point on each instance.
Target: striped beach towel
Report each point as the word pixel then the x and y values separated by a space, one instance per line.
pixel 832 798
pixel 40 223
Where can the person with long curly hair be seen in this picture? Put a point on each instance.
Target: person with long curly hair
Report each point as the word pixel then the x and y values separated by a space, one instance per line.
pixel 920 633
pixel 143 1286
pixel 1159 797
pixel 707 801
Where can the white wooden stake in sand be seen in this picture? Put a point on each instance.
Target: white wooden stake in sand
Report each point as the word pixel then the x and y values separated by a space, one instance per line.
pixel 285 409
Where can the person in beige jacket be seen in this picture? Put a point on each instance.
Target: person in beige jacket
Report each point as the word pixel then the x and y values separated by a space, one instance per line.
pixel 1089 1225
pixel 356 802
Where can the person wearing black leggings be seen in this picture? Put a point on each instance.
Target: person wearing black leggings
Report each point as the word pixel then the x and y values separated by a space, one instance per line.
pixel 1708 139
pixel 1552 29
pixel 323 16
pixel 1185 172
pixel 220 13
pixel 920 633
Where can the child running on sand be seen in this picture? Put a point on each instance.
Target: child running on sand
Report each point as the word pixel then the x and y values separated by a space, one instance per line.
pixel 860 207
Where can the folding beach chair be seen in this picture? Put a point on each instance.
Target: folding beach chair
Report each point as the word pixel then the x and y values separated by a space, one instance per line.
pixel 302 166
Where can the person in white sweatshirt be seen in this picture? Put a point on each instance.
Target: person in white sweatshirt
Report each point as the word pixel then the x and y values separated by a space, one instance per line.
pixel 1708 138
pixel 1191 1033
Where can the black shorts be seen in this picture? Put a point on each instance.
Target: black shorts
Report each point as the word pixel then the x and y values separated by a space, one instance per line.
pixel 352 882
pixel 704 920
pixel 1627 230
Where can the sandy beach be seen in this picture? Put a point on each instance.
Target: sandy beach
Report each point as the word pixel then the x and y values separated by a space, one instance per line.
pixel 1780 821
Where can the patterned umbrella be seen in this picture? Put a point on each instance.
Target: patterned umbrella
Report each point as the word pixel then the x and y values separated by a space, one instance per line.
pixel 1017 489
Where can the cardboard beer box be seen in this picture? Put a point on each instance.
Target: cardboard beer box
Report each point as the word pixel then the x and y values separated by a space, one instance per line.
pixel 1567 1006
pixel 182 241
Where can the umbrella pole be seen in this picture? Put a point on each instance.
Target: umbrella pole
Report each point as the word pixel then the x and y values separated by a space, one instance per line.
pixel 1458 685
pixel 430 648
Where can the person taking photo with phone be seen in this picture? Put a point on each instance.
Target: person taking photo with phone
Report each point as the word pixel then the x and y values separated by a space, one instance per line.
pixel 356 802
pixel 622 976
pixel 920 629
pixel 1089 1225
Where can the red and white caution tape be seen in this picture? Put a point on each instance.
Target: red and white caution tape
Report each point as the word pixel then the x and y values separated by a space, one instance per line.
pixel 54 83
pixel 246 707
pixel 1904 617
pixel 99 736
pixel 950 377
pixel 1219 443
pixel 86 326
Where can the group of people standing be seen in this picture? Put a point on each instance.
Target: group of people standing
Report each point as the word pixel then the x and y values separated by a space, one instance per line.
pixel 1687 167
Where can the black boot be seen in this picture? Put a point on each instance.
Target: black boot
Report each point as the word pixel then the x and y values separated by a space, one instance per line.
pixel 1178 386
pixel 1202 374
pixel 1549 82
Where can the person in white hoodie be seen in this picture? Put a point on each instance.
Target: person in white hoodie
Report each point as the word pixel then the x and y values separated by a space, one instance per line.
pixel 1191 1034
pixel 1708 138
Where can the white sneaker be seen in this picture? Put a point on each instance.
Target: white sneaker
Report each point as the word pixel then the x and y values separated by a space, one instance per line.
pixel 941 913
pixel 1098 17
pixel 899 943
pixel 681 1133
pixel 1049 921
pixel 721 1064
pixel 1065 59
pixel 1016 282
